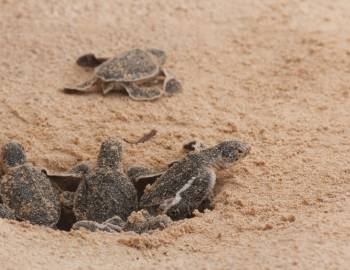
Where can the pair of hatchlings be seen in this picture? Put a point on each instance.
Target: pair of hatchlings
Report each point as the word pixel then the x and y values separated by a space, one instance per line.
pixel 139 72
pixel 108 199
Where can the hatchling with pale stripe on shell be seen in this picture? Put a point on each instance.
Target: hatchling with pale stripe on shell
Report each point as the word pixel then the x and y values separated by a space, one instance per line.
pixel 137 71
pixel 188 183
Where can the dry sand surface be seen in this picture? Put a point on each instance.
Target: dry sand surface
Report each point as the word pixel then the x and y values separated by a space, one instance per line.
pixel 273 73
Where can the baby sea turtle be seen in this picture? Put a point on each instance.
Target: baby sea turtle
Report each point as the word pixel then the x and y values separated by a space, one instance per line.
pixel 139 222
pixel 26 190
pixel 189 182
pixel 130 71
pixel 142 176
pixel 107 191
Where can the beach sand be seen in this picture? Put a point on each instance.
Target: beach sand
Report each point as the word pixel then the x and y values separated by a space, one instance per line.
pixel 275 74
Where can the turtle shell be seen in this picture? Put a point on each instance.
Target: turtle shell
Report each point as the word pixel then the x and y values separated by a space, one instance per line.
pixel 28 192
pixel 131 66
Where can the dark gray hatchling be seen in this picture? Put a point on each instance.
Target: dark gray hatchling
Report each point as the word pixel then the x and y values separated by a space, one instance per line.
pixel 137 71
pixel 188 183
pixel 107 191
pixel 26 190
pixel 142 177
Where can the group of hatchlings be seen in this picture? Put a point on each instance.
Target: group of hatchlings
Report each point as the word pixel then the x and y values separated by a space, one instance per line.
pixel 104 197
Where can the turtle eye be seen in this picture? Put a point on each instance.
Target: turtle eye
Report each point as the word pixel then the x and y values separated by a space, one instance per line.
pixel 228 152
pixel 240 151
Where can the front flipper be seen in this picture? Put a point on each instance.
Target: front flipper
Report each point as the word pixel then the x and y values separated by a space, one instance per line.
pixel 86 86
pixel 171 85
pixel 90 60
pixel 68 181
pixel 94 226
pixel 194 146
pixel 113 224
pixel 207 203
pixel 141 93
pixel 141 177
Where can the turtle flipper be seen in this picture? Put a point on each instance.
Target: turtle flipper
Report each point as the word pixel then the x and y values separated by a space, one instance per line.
pixel 141 93
pixel 207 203
pixel 90 60
pixel 68 181
pixel 142 176
pixel 171 85
pixel 94 226
pixel 194 146
pixel 110 86
pixel 135 173
pixel 83 87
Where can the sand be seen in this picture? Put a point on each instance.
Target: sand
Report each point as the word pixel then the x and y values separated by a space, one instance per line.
pixel 273 73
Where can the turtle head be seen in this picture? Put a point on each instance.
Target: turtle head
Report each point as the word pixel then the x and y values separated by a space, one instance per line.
pixel 12 155
pixel 158 54
pixel 227 153
pixel 110 153
pixel 81 169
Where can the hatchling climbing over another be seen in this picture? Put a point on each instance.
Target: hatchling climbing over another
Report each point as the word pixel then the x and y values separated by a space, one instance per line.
pixel 26 190
pixel 137 71
pixel 106 191
pixel 188 183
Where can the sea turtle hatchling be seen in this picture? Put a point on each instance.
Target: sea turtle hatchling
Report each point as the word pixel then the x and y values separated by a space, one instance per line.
pixel 106 191
pixel 143 177
pixel 131 71
pixel 189 182
pixel 26 190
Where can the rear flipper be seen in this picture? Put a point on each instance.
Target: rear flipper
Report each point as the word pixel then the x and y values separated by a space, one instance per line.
pixel 141 93
pixel 171 85
pixel 207 203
